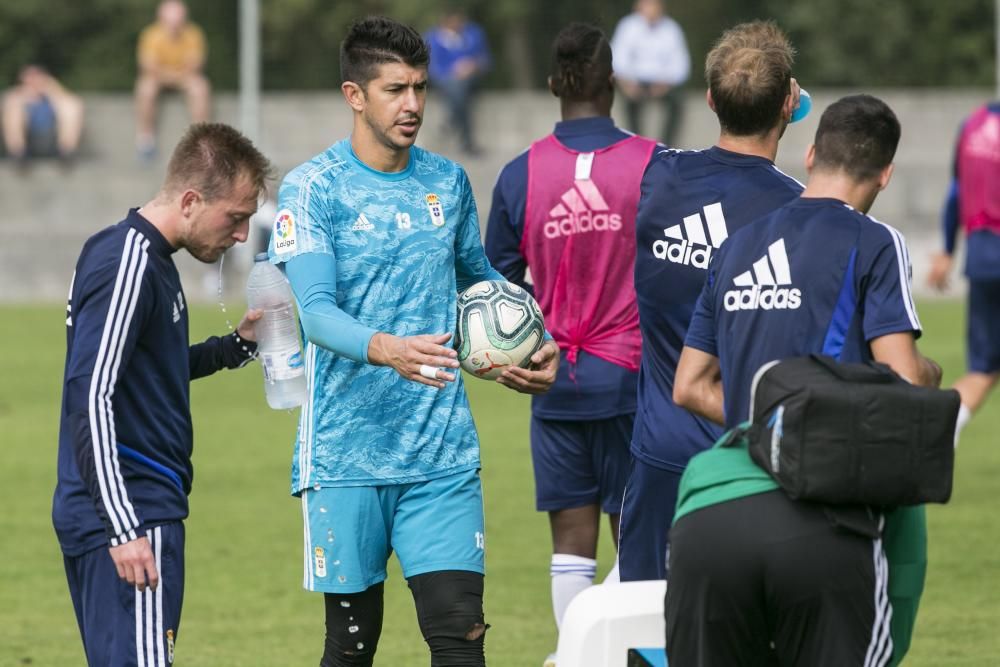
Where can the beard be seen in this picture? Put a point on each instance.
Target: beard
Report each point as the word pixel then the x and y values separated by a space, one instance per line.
pixel 383 133
pixel 205 253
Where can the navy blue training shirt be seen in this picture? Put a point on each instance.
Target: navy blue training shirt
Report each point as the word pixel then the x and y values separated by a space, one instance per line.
pixel 815 276
pixel 691 202
pixel 125 436
pixel 594 388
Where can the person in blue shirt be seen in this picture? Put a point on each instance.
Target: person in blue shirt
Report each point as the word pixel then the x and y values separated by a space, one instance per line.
pixel 377 237
pixel 973 205
pixel 691 202
pixel 460 56
pixel 125 434
pixel 762 577
pixel 40 117
pixel 580 429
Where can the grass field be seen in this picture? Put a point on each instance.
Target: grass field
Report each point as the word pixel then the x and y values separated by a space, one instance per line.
pixel 244 604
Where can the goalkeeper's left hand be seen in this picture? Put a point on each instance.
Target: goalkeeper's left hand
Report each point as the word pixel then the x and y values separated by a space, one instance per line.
pixel 538 378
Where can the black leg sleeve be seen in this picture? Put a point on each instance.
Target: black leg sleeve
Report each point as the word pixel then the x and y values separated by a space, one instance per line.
pixel 450 612
pixel 353 627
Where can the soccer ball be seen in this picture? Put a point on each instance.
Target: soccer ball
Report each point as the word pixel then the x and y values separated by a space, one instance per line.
pixel 499 325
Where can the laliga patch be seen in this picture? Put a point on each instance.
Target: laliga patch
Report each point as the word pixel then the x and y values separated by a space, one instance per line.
pixel 436 210
pixel 170 646
pixel 284 232
pixel 320 558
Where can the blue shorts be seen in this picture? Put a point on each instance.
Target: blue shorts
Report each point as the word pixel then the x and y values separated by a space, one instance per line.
pixel 350 531
pixel 119 625
pixel 983 335
pixel 579 463
pixel 647 512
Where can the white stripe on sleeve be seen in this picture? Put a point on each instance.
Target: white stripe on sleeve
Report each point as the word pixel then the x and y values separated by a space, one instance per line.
pixel 133 301
pixel 903 263
pixel 124 295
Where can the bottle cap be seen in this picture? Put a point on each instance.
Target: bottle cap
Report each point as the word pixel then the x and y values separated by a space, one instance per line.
pixel 805 105
pixel 260 257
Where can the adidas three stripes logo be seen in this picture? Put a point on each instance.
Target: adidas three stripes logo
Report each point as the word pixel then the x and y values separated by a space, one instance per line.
pixel 692 242
pixel 582 209
pixel 765 285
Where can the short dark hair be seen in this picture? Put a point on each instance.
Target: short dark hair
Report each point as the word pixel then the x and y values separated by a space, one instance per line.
pixel 376 40
pixel 749 72
pixel 858 135
pixel 581 62
pixel 211 157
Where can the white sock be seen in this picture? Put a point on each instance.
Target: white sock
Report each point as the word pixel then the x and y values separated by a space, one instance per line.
pixel 964 415
pixel 613 577
pixel 570 576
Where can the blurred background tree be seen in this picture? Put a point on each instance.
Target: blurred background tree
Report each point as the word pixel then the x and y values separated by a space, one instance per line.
pixel 91 45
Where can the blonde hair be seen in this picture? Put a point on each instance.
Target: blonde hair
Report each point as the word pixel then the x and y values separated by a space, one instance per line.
pixel 211 157
pixel 749 72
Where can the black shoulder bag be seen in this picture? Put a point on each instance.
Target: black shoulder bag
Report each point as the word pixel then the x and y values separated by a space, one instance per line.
pixel 852 433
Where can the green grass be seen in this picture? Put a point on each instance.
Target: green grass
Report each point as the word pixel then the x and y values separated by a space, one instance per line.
pixel 244 604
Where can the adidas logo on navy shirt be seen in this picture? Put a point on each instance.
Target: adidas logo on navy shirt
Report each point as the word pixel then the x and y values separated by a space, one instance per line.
pixel 582 210
pixel 764 285
pixel 688 244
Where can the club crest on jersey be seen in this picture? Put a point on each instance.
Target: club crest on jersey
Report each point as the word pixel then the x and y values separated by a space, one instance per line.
pixel 284 232
pixel 436 210
pixel 767 286
pixel 582 209
pixel 689 244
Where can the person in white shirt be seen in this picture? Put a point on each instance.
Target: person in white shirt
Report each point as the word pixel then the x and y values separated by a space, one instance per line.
pixel 651 62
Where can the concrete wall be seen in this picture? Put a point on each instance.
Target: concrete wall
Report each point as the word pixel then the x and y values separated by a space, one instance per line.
pixel 49 209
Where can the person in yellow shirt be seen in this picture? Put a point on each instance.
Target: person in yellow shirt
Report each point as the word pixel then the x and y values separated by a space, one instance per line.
pixel 171 55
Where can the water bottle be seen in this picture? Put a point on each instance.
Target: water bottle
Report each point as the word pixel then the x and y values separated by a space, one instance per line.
pixel 278 345
pixel 804 107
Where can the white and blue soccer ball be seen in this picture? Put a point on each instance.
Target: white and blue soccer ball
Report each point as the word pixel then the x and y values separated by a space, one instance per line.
pixel 499 325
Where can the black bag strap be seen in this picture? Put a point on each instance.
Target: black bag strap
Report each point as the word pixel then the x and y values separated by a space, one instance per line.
pixel 732 437
pixel 869 373
pixel 756 381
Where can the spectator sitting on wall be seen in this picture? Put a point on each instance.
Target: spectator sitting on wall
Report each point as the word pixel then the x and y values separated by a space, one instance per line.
pixel 171 55
pixel 40 117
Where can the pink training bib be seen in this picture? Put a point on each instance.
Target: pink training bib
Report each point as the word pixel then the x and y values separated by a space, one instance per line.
pixel 979 172
pixel 579 241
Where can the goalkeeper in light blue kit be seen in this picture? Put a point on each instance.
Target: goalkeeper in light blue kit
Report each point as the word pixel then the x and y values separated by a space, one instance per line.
pixel 377 237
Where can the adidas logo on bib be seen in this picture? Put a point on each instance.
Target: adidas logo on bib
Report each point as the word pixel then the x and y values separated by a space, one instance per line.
pixel 582 210
pixel 765 286
pixel 689 244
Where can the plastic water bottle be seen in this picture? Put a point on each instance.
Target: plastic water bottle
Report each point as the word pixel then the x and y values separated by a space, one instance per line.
pixel 804 107
pixel 278 345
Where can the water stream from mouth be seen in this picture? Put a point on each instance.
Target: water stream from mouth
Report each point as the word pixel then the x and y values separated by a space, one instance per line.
pixel 219 294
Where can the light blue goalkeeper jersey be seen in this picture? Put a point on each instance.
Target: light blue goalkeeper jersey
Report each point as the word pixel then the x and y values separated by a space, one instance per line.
pixel 405 244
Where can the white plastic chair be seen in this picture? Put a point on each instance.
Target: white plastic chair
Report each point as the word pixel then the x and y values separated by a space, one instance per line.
pixel 603 622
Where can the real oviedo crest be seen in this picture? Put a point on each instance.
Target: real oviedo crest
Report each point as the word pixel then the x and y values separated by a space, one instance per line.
pixel 436 210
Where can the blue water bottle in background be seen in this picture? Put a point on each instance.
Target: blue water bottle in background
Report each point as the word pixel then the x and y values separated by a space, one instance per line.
pixel 805 105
